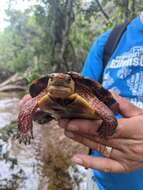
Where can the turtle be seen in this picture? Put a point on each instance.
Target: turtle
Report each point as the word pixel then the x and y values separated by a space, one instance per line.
pixel 67 95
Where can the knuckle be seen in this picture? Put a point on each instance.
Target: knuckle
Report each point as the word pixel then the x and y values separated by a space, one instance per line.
pixel 137 149
pixel 126 167
pixel 107 169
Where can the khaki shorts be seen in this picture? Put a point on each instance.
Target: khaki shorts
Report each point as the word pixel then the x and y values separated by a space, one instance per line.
pixel 91 184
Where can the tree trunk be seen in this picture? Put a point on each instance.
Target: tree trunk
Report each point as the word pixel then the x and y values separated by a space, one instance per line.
pixel 63 19
pixel 126 8
pixel 102 10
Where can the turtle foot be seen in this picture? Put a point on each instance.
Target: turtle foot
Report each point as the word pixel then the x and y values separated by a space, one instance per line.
pixel 105 131
pixel 24 137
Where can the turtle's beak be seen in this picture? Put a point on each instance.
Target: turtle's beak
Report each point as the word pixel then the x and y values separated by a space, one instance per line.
pixel 61 88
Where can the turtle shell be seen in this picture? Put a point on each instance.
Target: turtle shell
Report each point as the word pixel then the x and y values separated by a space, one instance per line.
pixel 92 86
pixel 38 86
pixel 96 89
pixel 99 102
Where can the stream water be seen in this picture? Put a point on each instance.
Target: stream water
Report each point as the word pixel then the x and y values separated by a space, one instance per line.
pixel 31 167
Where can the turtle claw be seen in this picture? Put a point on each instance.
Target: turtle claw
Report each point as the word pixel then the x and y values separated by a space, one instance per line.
pixel 24 137
pixel 105 131
pixel 16 136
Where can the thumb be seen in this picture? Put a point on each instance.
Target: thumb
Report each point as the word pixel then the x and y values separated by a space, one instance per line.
pixel 126 108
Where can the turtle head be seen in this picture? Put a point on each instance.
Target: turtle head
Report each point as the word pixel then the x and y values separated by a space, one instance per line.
pixel 60 85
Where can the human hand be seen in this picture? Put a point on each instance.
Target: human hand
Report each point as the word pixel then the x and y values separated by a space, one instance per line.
pixel 127 143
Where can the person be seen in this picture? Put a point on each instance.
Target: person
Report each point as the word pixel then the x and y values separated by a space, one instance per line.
pixel 118 160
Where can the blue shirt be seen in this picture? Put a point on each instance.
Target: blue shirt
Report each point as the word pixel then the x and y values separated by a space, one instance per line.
pixel 123 74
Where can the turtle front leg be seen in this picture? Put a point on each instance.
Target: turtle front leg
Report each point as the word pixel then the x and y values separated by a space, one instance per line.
pixel 109 124
pixel 25 125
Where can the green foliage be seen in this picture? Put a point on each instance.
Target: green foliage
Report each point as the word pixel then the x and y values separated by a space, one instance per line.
pixel 19 42
pixel 55 35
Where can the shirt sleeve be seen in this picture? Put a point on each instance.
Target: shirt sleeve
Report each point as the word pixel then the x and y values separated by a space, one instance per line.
pixel 93 64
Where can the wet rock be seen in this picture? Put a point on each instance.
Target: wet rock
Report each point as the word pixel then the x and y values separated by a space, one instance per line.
pixel 44 164
pixel 57 151
pixel 10 173
pixel 78 176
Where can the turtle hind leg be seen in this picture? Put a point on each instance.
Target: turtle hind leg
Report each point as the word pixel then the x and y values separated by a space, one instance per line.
pixel 24 137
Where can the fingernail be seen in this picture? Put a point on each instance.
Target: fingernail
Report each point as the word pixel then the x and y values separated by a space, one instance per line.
pixel 72 127
pixel 69 134
pixel 77 160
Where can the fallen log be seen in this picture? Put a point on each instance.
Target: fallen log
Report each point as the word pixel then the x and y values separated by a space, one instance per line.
pixel 8 88
pixel 15 79
pixel 14 83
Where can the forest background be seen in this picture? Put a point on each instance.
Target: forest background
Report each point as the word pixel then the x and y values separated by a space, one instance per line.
pixel 55 35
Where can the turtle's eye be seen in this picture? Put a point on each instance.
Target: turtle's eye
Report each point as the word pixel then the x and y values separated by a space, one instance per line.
pixel 68 79
pixel 51 78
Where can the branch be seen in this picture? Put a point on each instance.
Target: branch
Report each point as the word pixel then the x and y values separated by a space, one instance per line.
pixel 133 8
pixel 126 9
pixel 102 10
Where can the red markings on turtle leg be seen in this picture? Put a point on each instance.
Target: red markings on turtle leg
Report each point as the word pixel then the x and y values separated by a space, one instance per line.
pixel 25 120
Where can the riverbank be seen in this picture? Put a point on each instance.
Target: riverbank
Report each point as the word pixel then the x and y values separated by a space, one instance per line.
pixel 43 165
